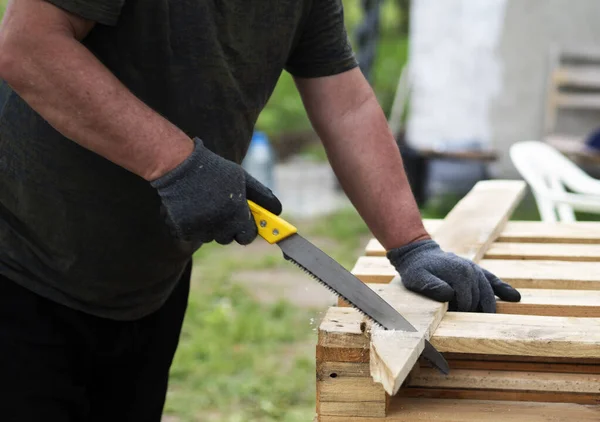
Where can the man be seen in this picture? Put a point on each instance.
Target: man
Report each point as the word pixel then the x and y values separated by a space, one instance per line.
pixel 122 126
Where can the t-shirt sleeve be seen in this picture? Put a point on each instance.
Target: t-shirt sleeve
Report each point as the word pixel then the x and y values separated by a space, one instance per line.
pixel 323 48
pixel 105 12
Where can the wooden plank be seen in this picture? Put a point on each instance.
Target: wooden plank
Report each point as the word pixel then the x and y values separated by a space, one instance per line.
pixel 541 232
pixel 545 302
pixel 478 218
pixel 508 395
pixel 350 389
pixel 349 411
pixel 427 410
pixel 534 274
pixel 374 269
pixel 508 380
pixel 497 365
pixel 544 251
pixel 518 335
pixel 585 232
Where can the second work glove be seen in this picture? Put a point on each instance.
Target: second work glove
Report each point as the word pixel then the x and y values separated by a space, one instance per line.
pixel 446 277
pixel 205 199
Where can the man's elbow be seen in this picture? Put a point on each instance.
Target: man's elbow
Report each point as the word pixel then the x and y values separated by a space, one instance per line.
pixel 13 54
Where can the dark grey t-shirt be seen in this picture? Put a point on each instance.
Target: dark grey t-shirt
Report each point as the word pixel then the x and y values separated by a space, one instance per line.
pixel 86 233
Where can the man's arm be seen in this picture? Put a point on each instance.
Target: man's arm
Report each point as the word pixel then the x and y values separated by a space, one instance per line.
pixel 42 59
pixel 363 153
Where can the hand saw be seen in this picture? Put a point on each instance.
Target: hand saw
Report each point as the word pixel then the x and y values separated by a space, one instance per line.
pixel 327 271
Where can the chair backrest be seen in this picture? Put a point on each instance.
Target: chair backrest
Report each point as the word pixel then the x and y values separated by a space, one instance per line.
pixel 547 171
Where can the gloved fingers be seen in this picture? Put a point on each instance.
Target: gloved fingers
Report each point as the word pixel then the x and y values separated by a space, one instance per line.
pixel 428 285
pixel 262 195
pixel 463 280
pixel 225 237
pixel 476 291
pixel 503 290
pixel 487 298
pixel 246 232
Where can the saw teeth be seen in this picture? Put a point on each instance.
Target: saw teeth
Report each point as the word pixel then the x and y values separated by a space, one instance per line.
pixel 328 287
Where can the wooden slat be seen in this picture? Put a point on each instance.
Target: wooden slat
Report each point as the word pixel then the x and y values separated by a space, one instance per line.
pixel 427 410
pixel 545 302
pixel 393 354
pixel 518 335
pixel 477 220
pixel 544 251
pixel 475 362
pixel 519 273
pixel 585 232
pixel 508 380
pixel 508 395
pixel 534 274
pixel 541 232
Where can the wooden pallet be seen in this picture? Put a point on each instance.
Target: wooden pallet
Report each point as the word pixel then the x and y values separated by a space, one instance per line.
pixel 536 360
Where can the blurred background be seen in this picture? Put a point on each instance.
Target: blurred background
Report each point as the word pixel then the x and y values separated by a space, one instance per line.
pixel 461 82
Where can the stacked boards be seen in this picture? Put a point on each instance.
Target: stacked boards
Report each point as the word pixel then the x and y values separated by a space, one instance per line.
pixel 536 360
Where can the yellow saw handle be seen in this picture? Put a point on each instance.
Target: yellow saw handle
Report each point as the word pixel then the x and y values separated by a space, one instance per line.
pixel 270 227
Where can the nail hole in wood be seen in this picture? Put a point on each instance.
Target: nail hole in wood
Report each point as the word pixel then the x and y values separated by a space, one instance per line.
pixel 333 375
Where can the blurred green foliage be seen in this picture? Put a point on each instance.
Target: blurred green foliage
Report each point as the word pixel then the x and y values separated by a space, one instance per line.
pixel 285 112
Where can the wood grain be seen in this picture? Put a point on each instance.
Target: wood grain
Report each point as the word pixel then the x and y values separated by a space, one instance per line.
pixel 545 251
pixel 508 380
pixel 428 410
pixel 478 218
pixel 531 274
pixel 584 232
pixel 518 335
pixel 546 302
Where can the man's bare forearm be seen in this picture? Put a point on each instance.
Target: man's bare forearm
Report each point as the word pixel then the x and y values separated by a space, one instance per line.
pixel 41 59
pixel 364 156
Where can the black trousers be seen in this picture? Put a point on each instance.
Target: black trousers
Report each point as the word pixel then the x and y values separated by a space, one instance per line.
pixel 58 364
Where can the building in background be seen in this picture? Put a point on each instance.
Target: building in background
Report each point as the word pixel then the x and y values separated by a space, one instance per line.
pixel 479 74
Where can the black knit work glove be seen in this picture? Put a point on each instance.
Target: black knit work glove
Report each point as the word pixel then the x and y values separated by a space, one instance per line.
pixel 205 199
pixel 446 277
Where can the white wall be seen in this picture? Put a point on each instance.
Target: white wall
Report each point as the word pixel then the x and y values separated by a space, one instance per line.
pixel 455 69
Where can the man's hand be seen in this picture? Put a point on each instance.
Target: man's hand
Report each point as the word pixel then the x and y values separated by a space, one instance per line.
pixel 446 277
pixel 205 199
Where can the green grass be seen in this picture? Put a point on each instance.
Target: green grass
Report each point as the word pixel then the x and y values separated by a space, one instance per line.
pixel 237 359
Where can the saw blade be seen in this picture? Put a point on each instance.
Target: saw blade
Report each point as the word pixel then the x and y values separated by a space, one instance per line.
pixel 343 283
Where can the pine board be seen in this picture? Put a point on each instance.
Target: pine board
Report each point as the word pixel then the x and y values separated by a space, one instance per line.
pixel 585 232
pixel 428 410
pixel 545 251
pixel 532 274
pixel 518 335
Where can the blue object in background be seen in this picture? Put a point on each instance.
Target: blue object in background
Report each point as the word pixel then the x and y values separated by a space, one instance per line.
pixel 593 140
pixel 260 160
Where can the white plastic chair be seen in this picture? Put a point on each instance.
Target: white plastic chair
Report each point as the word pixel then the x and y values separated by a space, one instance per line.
pixel 551 176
